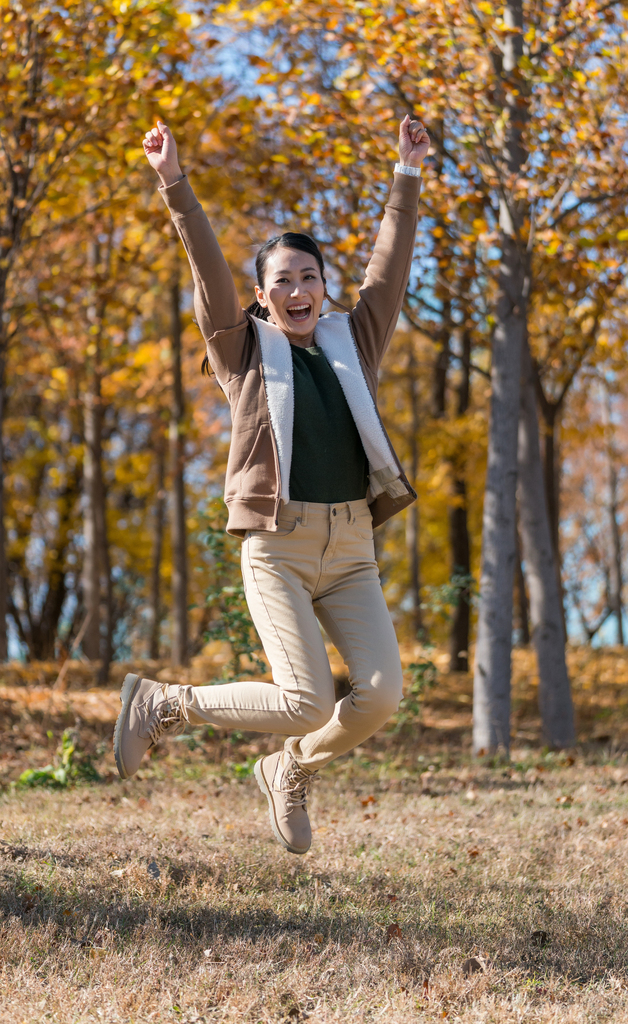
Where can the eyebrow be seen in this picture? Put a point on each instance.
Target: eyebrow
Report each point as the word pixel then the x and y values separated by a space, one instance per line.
pixel 303 270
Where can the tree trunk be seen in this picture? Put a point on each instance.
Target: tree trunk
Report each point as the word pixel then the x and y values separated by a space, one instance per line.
pixel 4 582
pixel 177 459
pixel 92 497
pixel 158 536
pixel 45 634
pixel 441 365
pixel 461 558
pixel 105 567
pixel 491 688
pixel 522 598
pixel 459 534
pixel 548 634
pixel 412 514
pixel 97 583
pixel 616 570
pixel 3 558
pixel 551 477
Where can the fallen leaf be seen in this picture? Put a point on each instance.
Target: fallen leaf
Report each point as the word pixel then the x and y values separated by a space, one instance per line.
pixel 142 802
pixel 452 871
pixel 582 822
pixel 118 873
pixel 393 932
pixel 319 938
pixel 369 817
pixel 474 852
pixel 539 938
pixel 368 800
pixel 391 897
pixel 426 988
pixel 566 826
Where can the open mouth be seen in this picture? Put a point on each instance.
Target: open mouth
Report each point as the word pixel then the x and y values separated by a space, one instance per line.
pixel 299 313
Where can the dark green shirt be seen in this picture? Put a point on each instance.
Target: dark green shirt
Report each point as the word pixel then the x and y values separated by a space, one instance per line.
pixel 328 460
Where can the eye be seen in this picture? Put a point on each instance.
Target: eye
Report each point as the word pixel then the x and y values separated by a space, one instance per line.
pixel 281 280
pixel 310 277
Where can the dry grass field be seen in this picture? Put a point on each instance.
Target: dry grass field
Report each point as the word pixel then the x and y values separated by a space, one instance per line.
pixel 436 888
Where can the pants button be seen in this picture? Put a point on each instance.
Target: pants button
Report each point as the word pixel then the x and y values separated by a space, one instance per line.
pixel 333 511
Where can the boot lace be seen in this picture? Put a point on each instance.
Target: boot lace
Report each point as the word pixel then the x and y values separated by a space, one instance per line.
pixel 296 783
pixel 166 717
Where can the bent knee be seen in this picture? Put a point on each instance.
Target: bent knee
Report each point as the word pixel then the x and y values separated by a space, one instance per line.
pixel 308 716
pixel 382 696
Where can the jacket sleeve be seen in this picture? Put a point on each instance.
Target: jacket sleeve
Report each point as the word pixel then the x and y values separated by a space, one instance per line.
pixel 220 316
pixel 375 316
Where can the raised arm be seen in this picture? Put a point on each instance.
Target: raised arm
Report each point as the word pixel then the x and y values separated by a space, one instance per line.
pixel 216 301
pixel 381 296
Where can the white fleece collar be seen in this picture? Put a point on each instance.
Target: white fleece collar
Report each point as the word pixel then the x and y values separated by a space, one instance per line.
pixel 333 335
pixel 279 384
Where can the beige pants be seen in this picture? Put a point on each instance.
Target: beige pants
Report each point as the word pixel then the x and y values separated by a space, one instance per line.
pixel 319 567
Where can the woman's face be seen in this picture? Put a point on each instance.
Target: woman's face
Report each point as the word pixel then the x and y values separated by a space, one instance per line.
pixel 293 292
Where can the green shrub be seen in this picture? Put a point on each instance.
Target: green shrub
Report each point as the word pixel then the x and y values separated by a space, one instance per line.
pixel 72 766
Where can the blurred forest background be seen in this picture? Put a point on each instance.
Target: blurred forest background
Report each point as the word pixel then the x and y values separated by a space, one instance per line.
pixel 113 446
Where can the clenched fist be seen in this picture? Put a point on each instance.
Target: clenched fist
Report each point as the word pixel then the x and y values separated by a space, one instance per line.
pixel 161 150
pixel 414 142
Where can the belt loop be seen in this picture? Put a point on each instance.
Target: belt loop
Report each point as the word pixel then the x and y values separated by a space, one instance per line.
pixel 304 506
pixel 351 514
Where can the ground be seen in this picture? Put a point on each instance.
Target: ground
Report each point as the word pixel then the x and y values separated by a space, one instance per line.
pixel 436 888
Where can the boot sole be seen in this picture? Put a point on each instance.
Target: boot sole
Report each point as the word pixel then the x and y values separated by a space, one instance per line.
pixel 127 693
pixel 261 782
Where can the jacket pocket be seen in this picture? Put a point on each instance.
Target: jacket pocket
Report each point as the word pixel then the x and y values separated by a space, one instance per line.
pixel 257 473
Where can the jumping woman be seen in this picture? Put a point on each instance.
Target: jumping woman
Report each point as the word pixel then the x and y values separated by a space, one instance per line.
pixel 310 473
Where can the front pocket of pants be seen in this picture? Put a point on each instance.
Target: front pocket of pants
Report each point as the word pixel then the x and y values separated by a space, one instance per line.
pixel 284 529
pixel 363 528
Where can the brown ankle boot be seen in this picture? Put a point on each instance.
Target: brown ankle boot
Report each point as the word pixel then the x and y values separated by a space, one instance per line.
pixel 150 710
pixel 286 785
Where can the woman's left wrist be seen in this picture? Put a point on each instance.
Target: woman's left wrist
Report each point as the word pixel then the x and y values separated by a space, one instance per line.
pixel 410 169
